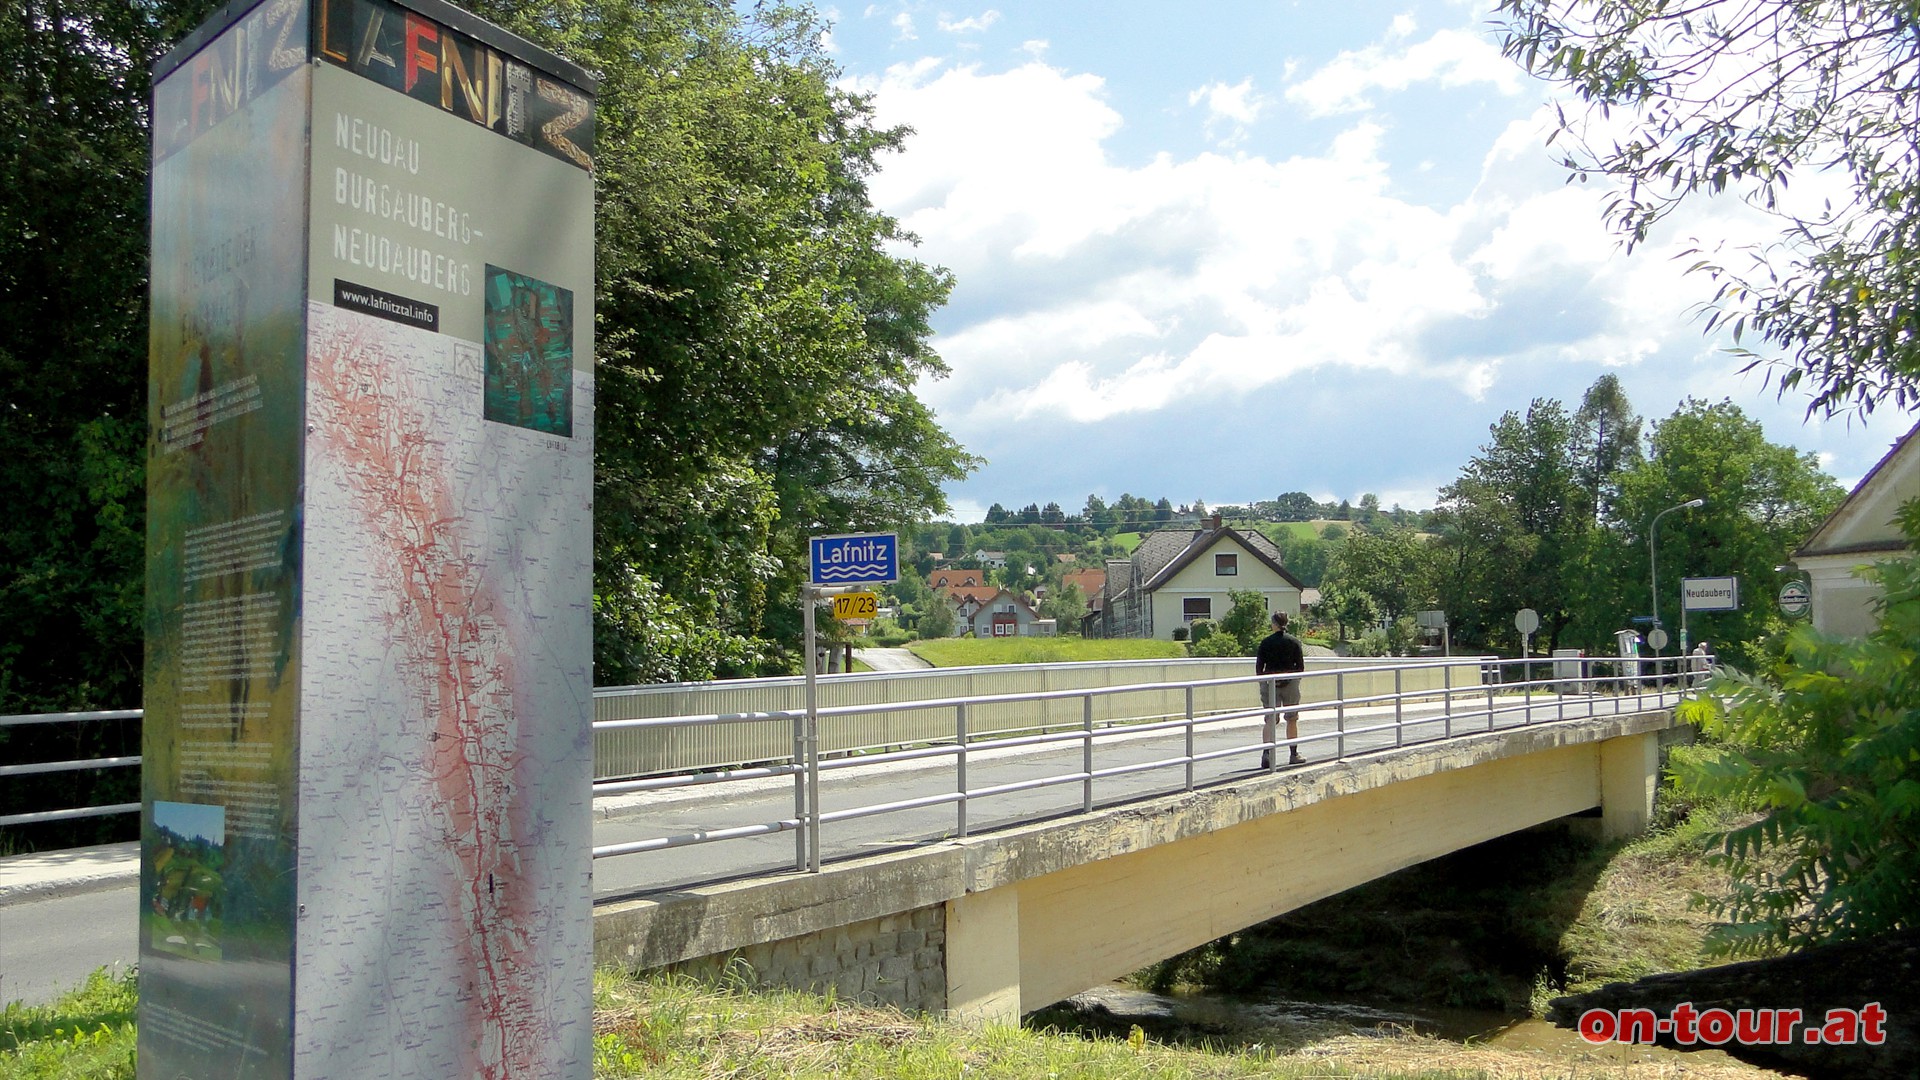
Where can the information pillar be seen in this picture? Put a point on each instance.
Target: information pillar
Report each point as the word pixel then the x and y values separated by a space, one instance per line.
pixel 365 827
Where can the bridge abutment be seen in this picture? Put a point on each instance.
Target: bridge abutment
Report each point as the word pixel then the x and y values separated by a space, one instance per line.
pixel 983 956
pixel 1629 776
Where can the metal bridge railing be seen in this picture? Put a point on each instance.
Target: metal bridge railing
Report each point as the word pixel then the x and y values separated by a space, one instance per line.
pixel 899 721
pixel 38 767
pixel 1401 704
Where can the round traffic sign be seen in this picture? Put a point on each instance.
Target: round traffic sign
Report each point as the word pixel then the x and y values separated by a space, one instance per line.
pixel 1657 639
pixel 1794 599
pixel 1526 620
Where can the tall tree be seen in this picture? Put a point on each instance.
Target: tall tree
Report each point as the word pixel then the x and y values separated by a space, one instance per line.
pixel 1607 436
pixel 1762 499
pixel 1508 525
pixel 1699 99
pixel 1295 506
pixel 1394 568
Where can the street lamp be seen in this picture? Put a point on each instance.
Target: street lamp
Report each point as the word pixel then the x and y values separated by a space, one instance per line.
pixel 1653 555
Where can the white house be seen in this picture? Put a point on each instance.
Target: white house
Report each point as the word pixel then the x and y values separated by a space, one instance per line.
pixel 1179 575
pixel 1002 615
pixel 1860 531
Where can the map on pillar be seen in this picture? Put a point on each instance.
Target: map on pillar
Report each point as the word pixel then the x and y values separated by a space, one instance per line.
pixel 439 547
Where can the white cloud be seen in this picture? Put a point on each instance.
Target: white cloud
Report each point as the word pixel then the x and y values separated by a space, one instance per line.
pixel 903 27
pixel 972 24
pixel 1231 110
pixel 1450 58
pixel 1092 290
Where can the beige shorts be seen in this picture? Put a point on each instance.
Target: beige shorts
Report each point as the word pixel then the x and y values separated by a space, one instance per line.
pixel 1274 696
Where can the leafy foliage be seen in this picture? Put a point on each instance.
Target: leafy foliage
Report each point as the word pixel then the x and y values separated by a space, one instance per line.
pixel 1763 499
pixel 1509 524
pixel 73 243
pixel 1826 739
pixel 1736 96
pixel 1553 514
pixel 1246 620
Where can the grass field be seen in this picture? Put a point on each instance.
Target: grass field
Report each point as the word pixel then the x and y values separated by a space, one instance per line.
pixel 1127 540
pixel 980 652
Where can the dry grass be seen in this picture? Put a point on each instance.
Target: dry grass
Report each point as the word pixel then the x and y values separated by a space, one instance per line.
pixel 682 1030
pixel 1640 919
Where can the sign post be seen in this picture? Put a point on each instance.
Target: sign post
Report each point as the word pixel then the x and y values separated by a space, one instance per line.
pixel 1706 594
pixel 1526 620
pixel 1436 619
pixel 833 564
pixel 368 744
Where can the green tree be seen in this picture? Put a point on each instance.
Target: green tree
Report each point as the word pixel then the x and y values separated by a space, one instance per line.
pixel 1296 506
pixel 1762 500
pixel 1369 508
pixel 1349 609
pixel 937 621
pixel 1395 569
pixel 1303 556
pixel 1607 443
pixel 1825 738
pixel 1701 99
pixel 1507 527
pixel 1067 606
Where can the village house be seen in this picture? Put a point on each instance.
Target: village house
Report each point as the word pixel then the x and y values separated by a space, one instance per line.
pixel 1859 531
pixel 1177 576
pixel 1003 614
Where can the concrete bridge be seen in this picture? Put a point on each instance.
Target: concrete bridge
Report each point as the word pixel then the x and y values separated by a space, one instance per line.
pixel 990 925
pixel 990 841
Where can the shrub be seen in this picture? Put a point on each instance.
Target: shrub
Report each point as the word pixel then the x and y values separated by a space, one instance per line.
pixel 1200 629
pixel 1179 633
pixel 1218 645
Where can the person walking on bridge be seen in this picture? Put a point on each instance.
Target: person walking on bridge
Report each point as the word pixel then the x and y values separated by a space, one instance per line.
pixel 1280 653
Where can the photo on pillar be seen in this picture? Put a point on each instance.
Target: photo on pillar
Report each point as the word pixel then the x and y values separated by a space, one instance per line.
pixel 529 353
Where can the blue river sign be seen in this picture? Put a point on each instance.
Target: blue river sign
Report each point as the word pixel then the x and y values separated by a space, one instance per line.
pixel 867 559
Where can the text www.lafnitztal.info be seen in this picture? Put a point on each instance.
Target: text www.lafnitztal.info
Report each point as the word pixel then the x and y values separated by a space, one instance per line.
pixel 1865 1026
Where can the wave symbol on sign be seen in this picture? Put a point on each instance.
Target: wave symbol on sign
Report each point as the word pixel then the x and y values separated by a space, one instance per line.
pixel 842 573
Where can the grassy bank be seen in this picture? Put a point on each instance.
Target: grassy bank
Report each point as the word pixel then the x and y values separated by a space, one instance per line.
pixel 680 1030
pixel 979 652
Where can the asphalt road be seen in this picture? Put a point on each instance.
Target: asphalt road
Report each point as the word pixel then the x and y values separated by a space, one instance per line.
pixel 48 947
pixel 891 659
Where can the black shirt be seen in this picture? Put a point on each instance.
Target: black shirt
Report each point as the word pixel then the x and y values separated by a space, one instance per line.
pixel 1279 651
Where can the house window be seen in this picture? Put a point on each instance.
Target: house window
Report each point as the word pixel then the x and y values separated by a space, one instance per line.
pixel 1226 565
pixel 1196 607
pixel 1006 626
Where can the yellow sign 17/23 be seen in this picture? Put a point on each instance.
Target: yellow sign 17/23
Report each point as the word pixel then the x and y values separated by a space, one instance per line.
pixel 856 605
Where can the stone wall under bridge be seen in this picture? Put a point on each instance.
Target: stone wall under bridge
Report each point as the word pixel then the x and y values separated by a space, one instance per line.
pixel 993 926
pixel 897 960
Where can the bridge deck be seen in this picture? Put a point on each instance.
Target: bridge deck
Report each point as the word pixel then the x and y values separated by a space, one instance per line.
pixel 687 811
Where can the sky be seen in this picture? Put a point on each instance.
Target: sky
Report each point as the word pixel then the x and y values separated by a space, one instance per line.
pixel 1223 251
